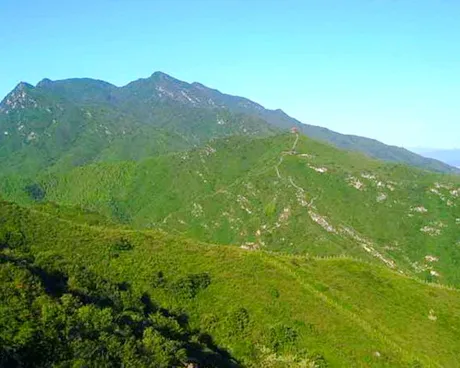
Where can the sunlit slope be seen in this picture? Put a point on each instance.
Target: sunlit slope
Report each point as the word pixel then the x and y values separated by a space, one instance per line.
pixel 286 193
pixel 56 126
pixel 267 309
pixel 61 124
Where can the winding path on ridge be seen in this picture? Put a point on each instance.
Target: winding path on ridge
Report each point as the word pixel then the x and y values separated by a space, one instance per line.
pixel 291 181
pixel 300 196
pixel 340 229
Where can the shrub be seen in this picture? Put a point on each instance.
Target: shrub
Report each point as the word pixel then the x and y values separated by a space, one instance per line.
pixel 188 287
pixel 319 361
pixel 121 245
pixel 159 280
pixel 239 320
pixel 270 209
pixel 274 293
pixel 12 239
pixel 35 191
pixel 209 321
pixel 282 336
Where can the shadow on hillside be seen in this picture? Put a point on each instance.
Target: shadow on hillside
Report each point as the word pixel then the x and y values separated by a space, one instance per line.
pixel 91 289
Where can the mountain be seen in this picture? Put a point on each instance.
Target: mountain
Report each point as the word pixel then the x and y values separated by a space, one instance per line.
pixel 284 193
pixel 59 125
pixel 76 121
pixel 449 156
pixel 92 295
pixel 167 224
pixel 196 94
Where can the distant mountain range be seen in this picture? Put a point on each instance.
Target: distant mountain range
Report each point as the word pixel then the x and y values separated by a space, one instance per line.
pixel 76 121
pixel 449 156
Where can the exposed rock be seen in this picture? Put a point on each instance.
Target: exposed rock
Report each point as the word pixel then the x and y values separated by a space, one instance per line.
pixel 244 203
pixel 434 228
pixel 284 216
pixel 430 230
pixel 419 209
pixel 368 176
pixel 318 169
pixel 355 183
pixel 250 246
pixel 208 150
pixel 306 155
pixel 197 210
pixel 31 137
pixel 381 197
pixel 320 220
pixel 366 245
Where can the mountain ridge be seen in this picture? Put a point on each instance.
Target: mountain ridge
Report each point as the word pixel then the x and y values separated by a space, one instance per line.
pixel 285 193
pixel 158 226
pixel 74 121
pixel 138 97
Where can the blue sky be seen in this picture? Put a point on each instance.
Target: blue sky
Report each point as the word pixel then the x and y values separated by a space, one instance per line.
pixel 385 69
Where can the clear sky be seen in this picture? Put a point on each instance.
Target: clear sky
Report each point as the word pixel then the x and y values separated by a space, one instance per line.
pixel 386 69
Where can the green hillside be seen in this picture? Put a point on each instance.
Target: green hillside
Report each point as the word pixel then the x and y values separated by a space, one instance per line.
pixel 198 95
pixel 61 124
pixel 167 224
pixel 285 193
pixel 74 288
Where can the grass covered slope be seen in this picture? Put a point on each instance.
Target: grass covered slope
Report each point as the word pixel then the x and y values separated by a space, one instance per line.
pixel 285 193
pixel 266 309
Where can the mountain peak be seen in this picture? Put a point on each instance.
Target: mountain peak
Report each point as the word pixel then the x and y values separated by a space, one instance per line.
pixel 161 75
pixel 22 86
pixel 17 98
pixel 44 83
pixel 199 85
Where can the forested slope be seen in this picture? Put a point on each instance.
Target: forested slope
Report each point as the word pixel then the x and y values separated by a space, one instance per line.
pixel 285 193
